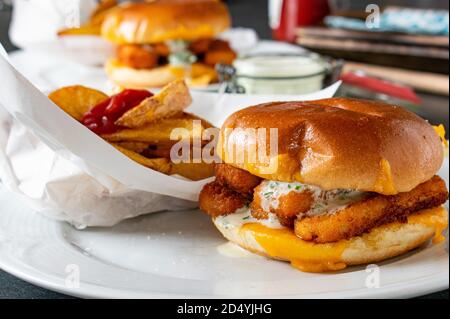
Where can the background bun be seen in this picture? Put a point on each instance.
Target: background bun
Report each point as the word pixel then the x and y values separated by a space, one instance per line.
pixel 162 20
pixel 339 143
pixel 380 243
pixel 127 77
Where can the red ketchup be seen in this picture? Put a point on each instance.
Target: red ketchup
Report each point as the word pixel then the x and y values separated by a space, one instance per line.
pixel 102 117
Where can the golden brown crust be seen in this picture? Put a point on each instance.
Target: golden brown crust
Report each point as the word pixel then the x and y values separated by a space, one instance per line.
pixel 342 143
pixel 237 179
pixel 288 205
pixel 216 200
pixel 259 213
pixel 361 217
pixel 137 56
pixel 219 51
pixel 162 20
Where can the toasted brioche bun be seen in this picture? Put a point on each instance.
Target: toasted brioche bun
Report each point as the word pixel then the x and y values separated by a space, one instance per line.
pixel 337 143
pixel 126 77
pixel 380 243
pixel 159 21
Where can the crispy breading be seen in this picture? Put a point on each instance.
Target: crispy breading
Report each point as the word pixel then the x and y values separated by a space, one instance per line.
pixel 289 205
pixel 162 49
pixel 219 51
pixel 200 46
pixel 259 213
pixel 216 200
pixel 377 210
pixel 237 179
pixel 137 56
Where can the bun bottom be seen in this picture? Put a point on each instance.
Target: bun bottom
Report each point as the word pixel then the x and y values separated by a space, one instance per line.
pixel 380 243
pixel 126 77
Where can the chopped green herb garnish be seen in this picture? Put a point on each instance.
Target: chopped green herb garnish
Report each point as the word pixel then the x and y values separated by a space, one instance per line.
pixel 318 206
pixel 298 187
pixel 246 217
pixel 268 194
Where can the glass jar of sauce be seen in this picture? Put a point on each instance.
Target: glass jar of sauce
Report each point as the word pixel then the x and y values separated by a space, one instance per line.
pixel 282 73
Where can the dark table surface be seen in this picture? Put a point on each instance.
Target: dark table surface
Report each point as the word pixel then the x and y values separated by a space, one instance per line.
pixel 248 13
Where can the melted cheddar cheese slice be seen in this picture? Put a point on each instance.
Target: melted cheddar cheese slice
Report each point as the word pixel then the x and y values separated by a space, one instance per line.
pixel 283 244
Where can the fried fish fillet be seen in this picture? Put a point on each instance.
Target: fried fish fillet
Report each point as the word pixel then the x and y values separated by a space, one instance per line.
pixel 237 179
pixel 288 205
pixel 137 56
pixel 362 216
pixel 216 200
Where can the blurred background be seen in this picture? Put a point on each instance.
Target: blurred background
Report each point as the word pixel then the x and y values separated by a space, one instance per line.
pixel 400 55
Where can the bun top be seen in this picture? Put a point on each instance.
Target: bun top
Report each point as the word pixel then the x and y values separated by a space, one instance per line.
pixel 162 20
pixel 335 143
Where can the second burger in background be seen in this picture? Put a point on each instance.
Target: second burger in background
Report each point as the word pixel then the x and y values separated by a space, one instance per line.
pixel 164 40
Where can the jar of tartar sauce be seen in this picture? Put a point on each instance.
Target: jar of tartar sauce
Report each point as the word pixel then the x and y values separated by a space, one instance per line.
pixel 281 73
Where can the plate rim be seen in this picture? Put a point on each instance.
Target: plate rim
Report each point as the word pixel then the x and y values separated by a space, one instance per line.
pixel 411 289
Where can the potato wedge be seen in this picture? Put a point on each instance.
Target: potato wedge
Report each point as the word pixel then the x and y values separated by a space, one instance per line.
pixel 76 100
pixel 172 100
pixel 163 150
pixel 191 116
pixel 159 164
pixel 192 171
pixel 137 147
pixel 159 150
pixel 157 133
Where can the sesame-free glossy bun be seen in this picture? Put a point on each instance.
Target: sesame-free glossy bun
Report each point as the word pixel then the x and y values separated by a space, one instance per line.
pixel 337 143
pixel 162 20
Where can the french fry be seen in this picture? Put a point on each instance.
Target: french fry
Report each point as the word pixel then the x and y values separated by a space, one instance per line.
pixel 156 133
pixel 193 171
pixel 160 164
pixel 172 100
pixel 76 100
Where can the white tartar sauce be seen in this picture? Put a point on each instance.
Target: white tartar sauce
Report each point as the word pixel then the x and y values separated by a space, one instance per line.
pixel 325 202
pixel 244 216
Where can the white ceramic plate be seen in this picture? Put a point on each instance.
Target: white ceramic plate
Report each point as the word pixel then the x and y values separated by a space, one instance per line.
pixel 180 254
